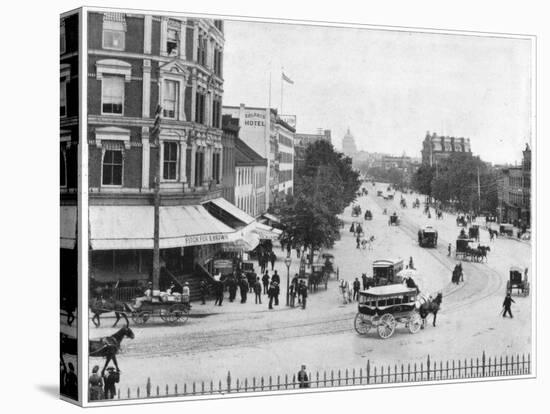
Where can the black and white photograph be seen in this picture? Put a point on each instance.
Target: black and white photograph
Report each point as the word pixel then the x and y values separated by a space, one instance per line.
pixel 278 206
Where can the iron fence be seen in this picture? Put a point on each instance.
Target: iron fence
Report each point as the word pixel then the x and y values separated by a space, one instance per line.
pixel 370 374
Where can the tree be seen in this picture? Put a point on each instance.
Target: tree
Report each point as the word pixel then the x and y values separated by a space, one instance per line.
pixel 323 187
pixel 422 179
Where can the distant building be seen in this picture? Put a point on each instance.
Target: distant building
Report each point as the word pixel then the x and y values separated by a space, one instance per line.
pixel 348 145
pixel 436 147
pixel 301 141
pixel 250 184
pixel 515 192
pixel 230 132
pixel 285 158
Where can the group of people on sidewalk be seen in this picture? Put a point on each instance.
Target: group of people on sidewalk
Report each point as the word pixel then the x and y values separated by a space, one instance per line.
pixel 102 386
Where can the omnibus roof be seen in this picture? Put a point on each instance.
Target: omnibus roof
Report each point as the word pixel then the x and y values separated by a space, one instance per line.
pixel 386 262
pixel 389 290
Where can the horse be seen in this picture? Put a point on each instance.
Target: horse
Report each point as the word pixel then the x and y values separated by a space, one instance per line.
pixel 100 306
pixel 345 290
pixel 107 347
pixel 428 306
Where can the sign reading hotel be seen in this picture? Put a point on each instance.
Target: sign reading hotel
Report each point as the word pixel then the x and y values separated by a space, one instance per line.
pixel 254 119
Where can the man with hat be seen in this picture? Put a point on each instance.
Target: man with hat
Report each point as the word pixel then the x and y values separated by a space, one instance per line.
pixel 185 293
pixel 147 296
pixel 271 292
pixel 507 304
pixel 303 379
pixel 303 292
pixel 109 381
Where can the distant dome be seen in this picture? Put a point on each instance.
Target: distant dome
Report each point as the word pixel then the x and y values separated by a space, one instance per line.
pixel 348 144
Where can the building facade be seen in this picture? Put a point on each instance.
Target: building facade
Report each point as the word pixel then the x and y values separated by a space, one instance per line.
pixel 437 147
pixel 250 184
pixel 143 67
pixel 515 192
pixel 257 128
pixel 285 159
pixel 230 132
pixel 349 147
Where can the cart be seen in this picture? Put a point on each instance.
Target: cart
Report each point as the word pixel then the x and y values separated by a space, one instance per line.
pixel 394 220
pixel 518 280
pixel 384 307
pixel 506 229
pixel 385 271
pixel 170 308
pixel 427 237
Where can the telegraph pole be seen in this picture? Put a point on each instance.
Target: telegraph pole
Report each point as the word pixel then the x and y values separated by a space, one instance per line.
pixel 478 190
pixel 156 232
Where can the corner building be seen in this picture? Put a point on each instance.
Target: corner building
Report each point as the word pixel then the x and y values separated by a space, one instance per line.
pixel 137 62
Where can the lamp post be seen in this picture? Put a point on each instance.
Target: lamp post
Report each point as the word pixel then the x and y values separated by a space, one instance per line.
pixel 288 262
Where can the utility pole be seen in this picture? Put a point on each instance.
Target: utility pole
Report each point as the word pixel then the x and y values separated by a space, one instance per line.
pixel 156 232
pixel 478 190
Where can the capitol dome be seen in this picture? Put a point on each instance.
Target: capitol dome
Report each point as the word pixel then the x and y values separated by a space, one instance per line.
pixel 348 144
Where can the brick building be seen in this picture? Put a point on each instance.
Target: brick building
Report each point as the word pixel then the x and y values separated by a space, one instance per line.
pixel 230 132
pixel 515 192
pixel 437 147
pixel 285 159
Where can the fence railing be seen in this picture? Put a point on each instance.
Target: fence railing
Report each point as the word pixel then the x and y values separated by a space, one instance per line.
pixel 370 374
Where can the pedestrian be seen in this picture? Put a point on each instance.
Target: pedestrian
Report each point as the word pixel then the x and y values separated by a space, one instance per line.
pixel 258 291
pixel 71 382
pixel 252 277
pixel 276 278
pixel 271 294
pixel 232 286
pixel 364 277
pixel 352 228
pixel 204 291
pixel 273 257
pixel 265 281
pixel 303 379
pixel 243 285
pixel 358 242
pixel 356 288
pixel 277 292
pixel 218 288
pixel 297 252
pixel 110 379
pixel 359 229
pixel 507 305
pixel 304 294
pixel 185 293
pixel 95 384
pixel 292 294
pixel 411 265
pixel 449 247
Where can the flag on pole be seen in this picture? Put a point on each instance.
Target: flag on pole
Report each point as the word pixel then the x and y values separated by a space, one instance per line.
pixel 287 79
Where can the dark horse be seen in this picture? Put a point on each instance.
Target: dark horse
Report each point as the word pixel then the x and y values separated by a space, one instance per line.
pixel 100 306
pixel 107 347
pixel 430 306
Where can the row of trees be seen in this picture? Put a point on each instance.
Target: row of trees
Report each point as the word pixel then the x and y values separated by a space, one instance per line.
pixel 460 181
pixel 323 187
pixel 394 176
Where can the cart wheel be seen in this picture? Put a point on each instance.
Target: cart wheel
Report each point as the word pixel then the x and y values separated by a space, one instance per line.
pixel 140 317
pixel 386 326
pixel 179 312
pixel 415 323
pixel 362 324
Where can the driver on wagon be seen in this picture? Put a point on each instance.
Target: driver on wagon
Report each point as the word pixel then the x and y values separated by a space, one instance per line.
pixel 148 296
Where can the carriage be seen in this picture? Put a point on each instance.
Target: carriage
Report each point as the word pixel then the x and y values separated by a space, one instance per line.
pixel 518 280
pixel 403 203
pixel 473 232
pixel 383 307
pixel 390 197
pixel 416 203
pixel 427 237
pixel 385 271
pixel 461 221
pixel 506 229
pixel 356 210
pixel 394 220
pixel 170 308
pixel 463 249
pixel 368 215
pixel 379 193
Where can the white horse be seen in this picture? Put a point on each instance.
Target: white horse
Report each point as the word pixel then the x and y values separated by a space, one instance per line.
pixel 345 290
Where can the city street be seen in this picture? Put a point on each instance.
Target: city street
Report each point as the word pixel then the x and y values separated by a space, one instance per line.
pixel 250 340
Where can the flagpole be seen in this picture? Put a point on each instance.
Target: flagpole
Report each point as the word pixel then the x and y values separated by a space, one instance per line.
pixel 269 102
pixel 282 84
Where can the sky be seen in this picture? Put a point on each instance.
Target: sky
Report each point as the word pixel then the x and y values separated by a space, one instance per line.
pixel 388 87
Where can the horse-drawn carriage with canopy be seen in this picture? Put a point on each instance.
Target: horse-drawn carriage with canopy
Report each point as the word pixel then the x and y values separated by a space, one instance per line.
pixel 393 220
pixel 416 203
pixel 384 307
pixel 506 229
pixel 463 248
pixel 385 272
pixel 368 215
pixel 473 232
pixel 379 193
pixel 518 280
pixel 461 221
pixel 427 237
pixel 356 210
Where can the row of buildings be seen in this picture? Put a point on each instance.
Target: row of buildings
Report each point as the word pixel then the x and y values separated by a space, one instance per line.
pixel 155 119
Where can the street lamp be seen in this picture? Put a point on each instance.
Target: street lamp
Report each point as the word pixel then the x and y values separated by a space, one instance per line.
pixel 288 262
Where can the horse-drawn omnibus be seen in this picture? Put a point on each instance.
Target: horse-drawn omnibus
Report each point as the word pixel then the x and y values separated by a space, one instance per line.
pixel 383 307
pixel 368 215
pixel 427 237
pixel 356 210
pixel 385 271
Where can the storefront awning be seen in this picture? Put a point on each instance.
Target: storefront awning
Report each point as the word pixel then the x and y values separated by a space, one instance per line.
pixel 67 227
pixel 228 209
pixel 246 243
pixel 266 232
pixel 132 227
pixel 271 217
